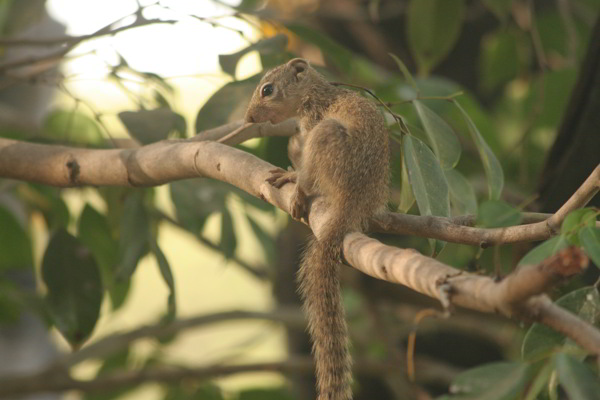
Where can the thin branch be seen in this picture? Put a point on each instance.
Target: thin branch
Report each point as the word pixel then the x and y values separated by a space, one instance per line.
pixel 58 381
pixel 56 378
pixel 245 131
pixel 72 42
pixel 526 218
pixel 119 341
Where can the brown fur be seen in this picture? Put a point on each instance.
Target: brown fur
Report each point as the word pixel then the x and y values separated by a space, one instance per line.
pixel 340 153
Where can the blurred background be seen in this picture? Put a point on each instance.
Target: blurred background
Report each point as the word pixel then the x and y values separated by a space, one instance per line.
pixel 120 73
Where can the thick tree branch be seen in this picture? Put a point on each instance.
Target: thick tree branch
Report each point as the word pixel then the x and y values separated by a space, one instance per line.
pixel 171 160
pixel 518 294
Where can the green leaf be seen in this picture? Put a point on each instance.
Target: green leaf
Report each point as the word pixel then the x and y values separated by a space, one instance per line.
pixel 497 214
pixel 499 59
pixel 149 126
pixel 196 199
pixel 248 5
pixel 274 44
pixel 15 244
pixel 228 241
pixel 167 274
pixel 433 26
pixel 441 137
pixel 590 240
pixel 407 198
pixel 133 236
pixel 427 180
pixel 499 7
pixel 49 202
pixel 555 85
pixel 94 231
pixel 575 221
pixel 544 250
pixel 462 194
pixel 576 378
pixel 224 105
pixel 407 75
pixel 492 167
pixel 496 381
pixel 72 126
pixel 541 341
pixel 5 14
pixel 74 287
pixel 11 303
pixel 540 381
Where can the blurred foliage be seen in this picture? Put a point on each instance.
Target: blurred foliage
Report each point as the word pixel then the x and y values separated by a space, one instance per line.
pixel 456 152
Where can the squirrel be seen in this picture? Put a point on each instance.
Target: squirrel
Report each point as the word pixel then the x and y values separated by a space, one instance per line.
pixel 340 153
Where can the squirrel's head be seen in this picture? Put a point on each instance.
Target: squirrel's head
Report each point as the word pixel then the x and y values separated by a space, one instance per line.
pixel 279 93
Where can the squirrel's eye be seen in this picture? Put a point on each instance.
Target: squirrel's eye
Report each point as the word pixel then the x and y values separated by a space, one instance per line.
pixel 266 90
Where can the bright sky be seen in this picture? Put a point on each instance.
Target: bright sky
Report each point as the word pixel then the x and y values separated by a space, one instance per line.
pixel 186 53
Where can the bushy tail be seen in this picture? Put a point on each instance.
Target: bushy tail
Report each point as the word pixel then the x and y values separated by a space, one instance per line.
pixel 320 290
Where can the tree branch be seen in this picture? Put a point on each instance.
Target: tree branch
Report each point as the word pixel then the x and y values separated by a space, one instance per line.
pixel 517 295
pixel 118 341
pixel 58 381
pixel 56 377
pixel 69 42
pixel 170 160
pixel 445 229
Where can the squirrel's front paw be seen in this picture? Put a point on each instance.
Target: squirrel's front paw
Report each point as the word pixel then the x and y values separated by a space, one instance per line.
pixel 298 204
pixel 280 177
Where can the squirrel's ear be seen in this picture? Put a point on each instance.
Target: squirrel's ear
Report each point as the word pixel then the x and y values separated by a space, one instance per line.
pixel 299 65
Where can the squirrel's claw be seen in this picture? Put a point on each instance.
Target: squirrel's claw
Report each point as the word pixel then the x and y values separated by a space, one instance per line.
pixel 280 177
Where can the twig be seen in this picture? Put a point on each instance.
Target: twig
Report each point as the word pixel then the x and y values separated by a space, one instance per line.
pixel 58 381
pixel 419 97
pixel 73 40
pixel 397 117
pixel 526 218
pixel 141 21
pixel 118 341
